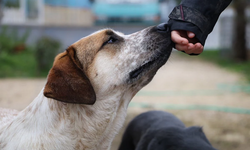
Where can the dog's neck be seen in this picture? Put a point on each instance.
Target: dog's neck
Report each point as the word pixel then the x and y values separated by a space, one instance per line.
pixel 69 126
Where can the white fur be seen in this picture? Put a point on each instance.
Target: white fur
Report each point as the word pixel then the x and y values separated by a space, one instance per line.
pixel 67 129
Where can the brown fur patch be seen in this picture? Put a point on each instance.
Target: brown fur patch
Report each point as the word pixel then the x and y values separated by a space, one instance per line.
pixel 88 47
pixel 67 82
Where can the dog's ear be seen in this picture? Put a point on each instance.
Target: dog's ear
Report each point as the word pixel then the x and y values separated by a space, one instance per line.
pixel 67 81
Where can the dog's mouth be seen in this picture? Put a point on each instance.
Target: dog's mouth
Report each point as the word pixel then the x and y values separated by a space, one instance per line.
pixel 157 61
pixel 138 71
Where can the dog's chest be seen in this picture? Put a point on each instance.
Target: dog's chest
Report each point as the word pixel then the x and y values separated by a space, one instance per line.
pixel 6 115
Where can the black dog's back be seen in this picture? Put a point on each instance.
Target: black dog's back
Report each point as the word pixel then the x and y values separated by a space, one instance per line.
pixel 141 123
pixel 159 130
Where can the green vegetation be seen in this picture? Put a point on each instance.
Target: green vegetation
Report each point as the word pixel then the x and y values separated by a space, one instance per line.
pixel 21 64
pixel 11 41
pixel 19 60
pixel 46 50
pixel 12 3
pixel 214 56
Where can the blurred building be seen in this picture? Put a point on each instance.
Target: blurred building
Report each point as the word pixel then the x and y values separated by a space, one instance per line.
pixel 47 12
pixel 166 6
pixel 126 11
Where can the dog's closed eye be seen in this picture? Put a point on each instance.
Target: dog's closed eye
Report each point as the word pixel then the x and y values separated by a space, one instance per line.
pixel 111 40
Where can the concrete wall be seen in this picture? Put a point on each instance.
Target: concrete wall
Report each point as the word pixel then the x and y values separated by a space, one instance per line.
pixel 47 15
pixel 13 16
pixel 20 15
pixel 66 16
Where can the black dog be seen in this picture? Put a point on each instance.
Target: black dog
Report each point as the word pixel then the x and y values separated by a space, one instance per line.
pixel 158 130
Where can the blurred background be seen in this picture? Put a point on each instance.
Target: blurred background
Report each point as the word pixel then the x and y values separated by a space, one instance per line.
pixel 210 90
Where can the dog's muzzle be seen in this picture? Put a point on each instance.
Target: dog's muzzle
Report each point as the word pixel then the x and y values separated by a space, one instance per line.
pixel 160 34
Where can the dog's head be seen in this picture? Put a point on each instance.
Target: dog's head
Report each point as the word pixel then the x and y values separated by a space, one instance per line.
pixel 108 61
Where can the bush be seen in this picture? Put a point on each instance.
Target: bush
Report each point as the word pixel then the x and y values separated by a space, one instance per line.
pixel 18 65
pixel 16 59
pixel 46 50
pixel 12 3
pixel 11 42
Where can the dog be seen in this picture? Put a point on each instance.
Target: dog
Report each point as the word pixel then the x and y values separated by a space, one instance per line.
pixel 159 130
pixel 84 102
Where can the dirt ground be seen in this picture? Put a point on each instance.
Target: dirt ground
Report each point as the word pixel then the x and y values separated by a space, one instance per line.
pixel 199 93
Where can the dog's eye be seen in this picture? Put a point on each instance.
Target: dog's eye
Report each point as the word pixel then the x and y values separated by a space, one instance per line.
pixel 111 40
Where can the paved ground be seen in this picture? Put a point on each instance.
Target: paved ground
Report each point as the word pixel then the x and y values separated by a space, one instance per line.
pixel 198 92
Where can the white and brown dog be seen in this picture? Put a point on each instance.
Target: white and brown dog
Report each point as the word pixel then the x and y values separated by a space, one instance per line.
pixel 84 102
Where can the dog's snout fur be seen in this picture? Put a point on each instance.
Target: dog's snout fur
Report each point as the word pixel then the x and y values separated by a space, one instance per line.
pixel 153 44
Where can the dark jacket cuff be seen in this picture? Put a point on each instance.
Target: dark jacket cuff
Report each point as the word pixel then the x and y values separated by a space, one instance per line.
pixel 187 26
pixel 183 13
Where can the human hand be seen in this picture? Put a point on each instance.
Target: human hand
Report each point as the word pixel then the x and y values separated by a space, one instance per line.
pixel 186 41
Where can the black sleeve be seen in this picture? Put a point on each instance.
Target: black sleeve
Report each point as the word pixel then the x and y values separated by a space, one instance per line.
pixel 197 16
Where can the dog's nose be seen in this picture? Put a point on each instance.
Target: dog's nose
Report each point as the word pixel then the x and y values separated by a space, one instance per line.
pixel 163 27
